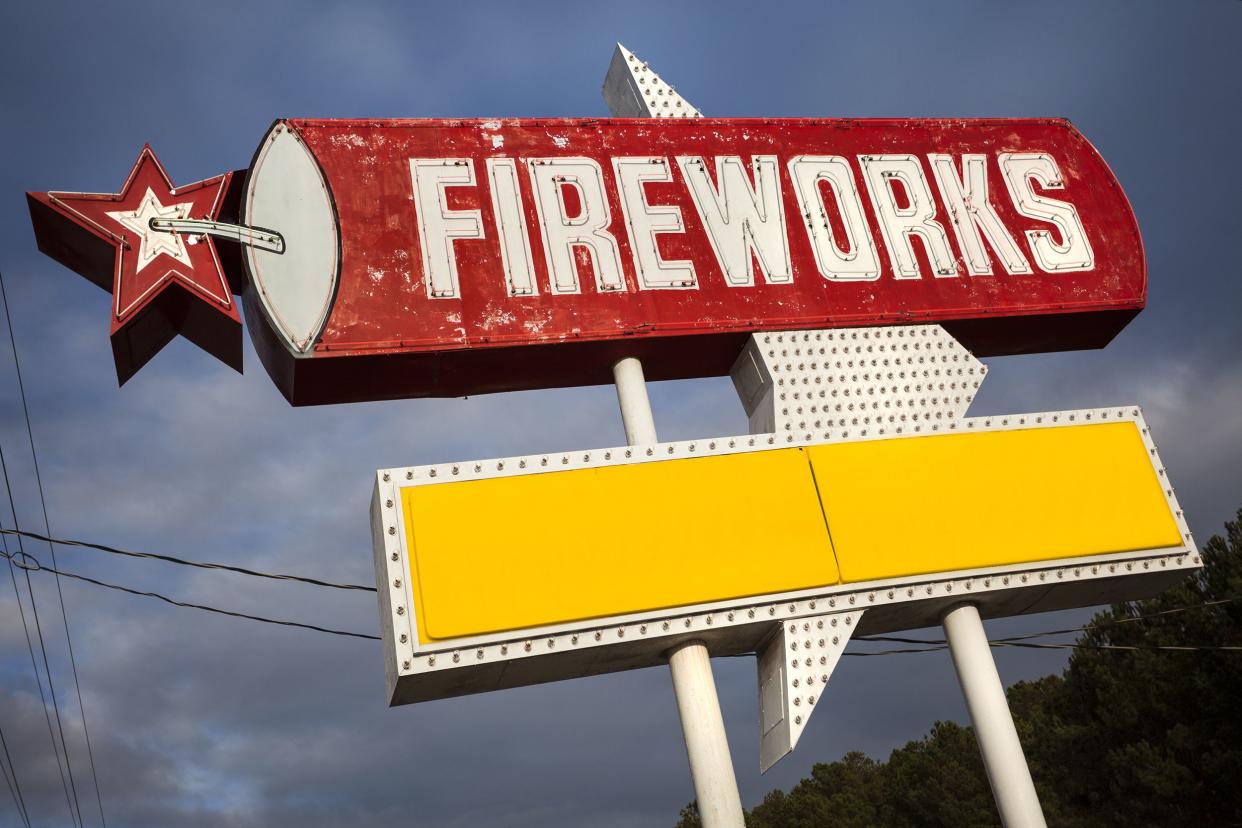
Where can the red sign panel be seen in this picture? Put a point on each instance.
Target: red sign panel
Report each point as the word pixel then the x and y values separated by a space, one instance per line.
pixel 439 258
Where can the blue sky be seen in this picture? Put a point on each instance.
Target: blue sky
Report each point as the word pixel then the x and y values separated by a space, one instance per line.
pixel 199 720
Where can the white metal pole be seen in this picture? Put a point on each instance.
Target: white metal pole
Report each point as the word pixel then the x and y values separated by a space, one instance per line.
pixel 635 406
pixel 1008 772
pixel 707 746
pixel 720 805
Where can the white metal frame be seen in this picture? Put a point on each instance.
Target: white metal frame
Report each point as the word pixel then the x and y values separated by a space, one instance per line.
pixel 408 659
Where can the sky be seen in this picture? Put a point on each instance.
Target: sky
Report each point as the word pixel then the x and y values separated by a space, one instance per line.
pixel 203 720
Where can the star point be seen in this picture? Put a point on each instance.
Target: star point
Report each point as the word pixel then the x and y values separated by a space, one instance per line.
pixel 154 242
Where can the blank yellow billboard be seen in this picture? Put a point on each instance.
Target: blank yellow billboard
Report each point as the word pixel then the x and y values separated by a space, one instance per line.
pixel 549 548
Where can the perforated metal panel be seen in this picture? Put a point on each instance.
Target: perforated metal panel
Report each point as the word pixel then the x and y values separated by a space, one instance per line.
pixel 800 384
pixel 633 90
pixel 794 668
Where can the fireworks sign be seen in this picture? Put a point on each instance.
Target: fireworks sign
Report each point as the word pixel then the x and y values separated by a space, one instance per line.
pixel 845 273
pixel 410 258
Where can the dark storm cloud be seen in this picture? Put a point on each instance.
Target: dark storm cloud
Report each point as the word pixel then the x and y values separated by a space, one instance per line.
pixel 200 720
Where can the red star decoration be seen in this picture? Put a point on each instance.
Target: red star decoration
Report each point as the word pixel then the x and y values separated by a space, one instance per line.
pixel 163 284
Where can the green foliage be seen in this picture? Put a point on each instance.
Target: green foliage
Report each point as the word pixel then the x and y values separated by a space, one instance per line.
pixel 689 817
pixel 1122 737
pixel 1147 737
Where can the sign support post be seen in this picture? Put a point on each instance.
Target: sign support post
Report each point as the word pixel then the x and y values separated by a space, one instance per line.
pixel 635 406
pixel 707 745
pixel 1008 772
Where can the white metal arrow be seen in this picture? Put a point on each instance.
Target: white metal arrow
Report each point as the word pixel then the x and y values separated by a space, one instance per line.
pixel 631 89
pixel 862 381
pixel 801 382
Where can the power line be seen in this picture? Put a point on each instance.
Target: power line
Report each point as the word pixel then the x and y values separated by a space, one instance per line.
pixel 937 645
pixel 1193 648
pixel 33 663
pixel 34 666
pixel 8 783
pixel 73 663
pixel 240 570
pixel 15 787
pixel 29 562
pixel 1001 642
pixel 1102 622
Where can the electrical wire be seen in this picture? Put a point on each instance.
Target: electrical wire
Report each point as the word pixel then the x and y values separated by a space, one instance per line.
pixel 240 570
pixel 936 645
pixel 1195 648
pixel 56 750
pixel 1102 622
pixel 29 562
pixel 1076 645
pixel 38 680
pixel 64 614
pixel 15 787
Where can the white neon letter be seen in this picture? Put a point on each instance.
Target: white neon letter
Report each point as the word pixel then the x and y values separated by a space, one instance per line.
pixel 972 211
pixel 740 218
pixel 898 224
pixel 859 261
pixel 1074 251
pixel 502 177
pixel 562 233
pixel 439 226
pixel 645 222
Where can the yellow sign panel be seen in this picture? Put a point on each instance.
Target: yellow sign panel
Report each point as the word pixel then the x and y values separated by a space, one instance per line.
pixel 970 500
pixel 527 551
pixel 549 548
